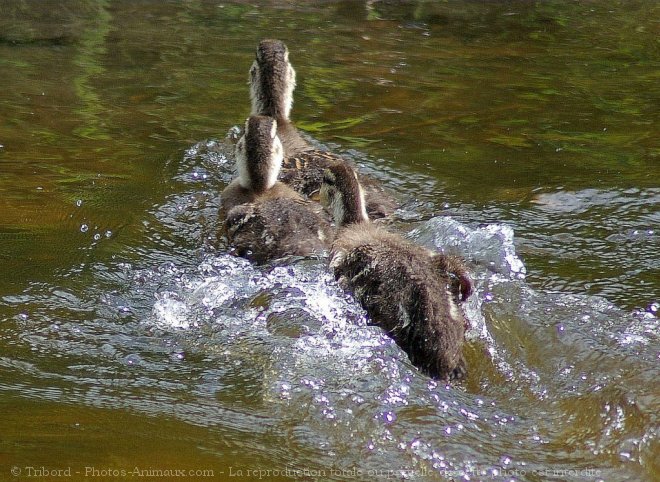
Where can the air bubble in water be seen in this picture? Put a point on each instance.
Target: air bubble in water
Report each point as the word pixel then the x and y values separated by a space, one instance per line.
pixel 388 417
pixel 132 359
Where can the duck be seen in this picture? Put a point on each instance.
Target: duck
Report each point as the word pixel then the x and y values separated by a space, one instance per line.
pixel 304 173
pixel 265 219
pixel 413 293
pixel 272 81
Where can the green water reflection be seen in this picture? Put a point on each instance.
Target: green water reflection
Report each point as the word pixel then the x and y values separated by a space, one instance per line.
pixel 543 115
pixel 496 101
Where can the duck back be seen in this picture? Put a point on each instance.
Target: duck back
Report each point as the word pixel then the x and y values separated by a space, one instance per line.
pixel 304 174
pixel 273 228
pixel 408 291
pixel 235 194
pixel 275 223
pixel 292 141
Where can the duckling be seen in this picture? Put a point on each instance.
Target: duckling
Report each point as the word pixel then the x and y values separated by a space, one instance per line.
pixel 411 292
pixel 304 173
pixel 265 219
pixel 272 82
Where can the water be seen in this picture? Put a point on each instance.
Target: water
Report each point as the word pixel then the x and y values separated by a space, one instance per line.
pixel 519 135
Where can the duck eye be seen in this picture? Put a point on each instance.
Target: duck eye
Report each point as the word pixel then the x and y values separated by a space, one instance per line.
pixel 328 180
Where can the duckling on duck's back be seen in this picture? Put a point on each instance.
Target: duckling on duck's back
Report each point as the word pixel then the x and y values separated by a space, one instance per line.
pixel 411 292
pixel 272 82
pixel 263 218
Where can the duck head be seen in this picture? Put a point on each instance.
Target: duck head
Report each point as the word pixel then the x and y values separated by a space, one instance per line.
pixel 342 193
pixel 259 154
pixel 272 80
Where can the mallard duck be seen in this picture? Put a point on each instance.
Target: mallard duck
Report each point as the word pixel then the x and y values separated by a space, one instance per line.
pixel 265 219
pixel 411 292
pixel 272 81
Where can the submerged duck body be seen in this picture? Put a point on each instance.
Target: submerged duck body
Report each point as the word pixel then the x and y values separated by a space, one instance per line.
pixel 263 218
pixel 413 293
pixel 272 82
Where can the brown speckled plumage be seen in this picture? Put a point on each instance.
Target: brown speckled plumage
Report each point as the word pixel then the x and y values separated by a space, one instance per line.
pixel 263 218
pixel 413 293
pixel 272 82
pixel 304 173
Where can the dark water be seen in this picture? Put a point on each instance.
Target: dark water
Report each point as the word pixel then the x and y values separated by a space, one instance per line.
pixel 522 135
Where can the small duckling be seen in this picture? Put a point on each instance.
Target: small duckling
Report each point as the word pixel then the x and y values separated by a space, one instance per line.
pixel 264 218
pixel 411 292
pixel 304 173
pixel 272 82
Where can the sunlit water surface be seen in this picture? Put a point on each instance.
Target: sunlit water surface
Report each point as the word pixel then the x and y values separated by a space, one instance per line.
pixel 522 136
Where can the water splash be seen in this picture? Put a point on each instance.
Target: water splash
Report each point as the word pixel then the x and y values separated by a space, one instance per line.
pixel 491 245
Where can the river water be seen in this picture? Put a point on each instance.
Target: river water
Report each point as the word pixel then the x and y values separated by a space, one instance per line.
pixel 522 135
